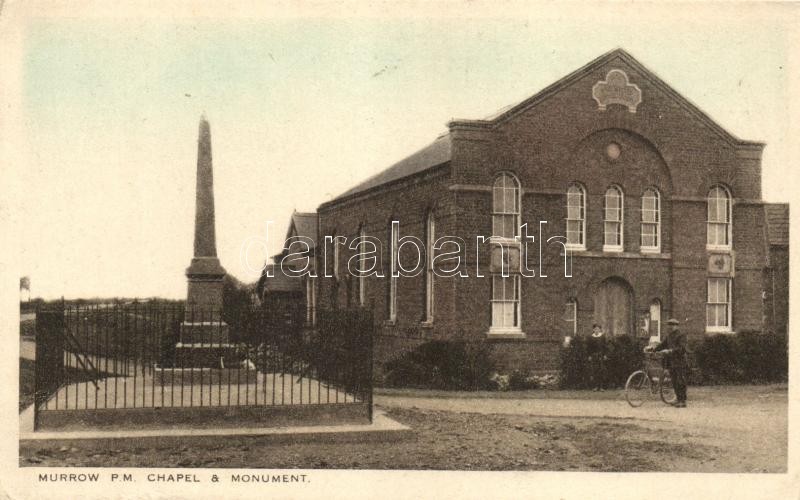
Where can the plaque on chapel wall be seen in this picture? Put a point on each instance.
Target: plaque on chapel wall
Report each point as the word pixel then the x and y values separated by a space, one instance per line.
pixel 616 89
pixel 720 264
pixel 505 258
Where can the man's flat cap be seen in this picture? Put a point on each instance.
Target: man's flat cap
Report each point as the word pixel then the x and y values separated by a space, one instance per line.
pixel 673 321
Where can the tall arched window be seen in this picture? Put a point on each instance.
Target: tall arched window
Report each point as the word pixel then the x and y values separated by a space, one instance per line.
pixel 651 221
pixel 362 280
pixel 335 256
pixel 719 218
pixel 430 233
pixel 393 237
pixel 505 226
pixel 570 317
pixel 505 206
pixel 576 217
pixel 612 220
pixel 311 300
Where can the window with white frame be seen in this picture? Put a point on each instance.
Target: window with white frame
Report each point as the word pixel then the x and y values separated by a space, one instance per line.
pixel 505 302
pixel 393 237
pixel 654 326
pixel 430 233
pixel 362 279
pixel 335 257
pixel 576 217
pixel 505 206
pixel 718 307
pixel 612 220
pixel 311 300
pixel 651 221
pixel 571 318
pixel 719 218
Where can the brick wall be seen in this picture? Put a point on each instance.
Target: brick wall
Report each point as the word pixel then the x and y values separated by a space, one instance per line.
pixel 779 259
pixel 408 202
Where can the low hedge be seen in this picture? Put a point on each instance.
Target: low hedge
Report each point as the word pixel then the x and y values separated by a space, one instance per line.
pixel 746 357
pixel 624 357
pixel 438 364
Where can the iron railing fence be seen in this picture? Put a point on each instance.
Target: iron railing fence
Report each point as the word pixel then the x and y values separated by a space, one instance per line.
pixel 144 355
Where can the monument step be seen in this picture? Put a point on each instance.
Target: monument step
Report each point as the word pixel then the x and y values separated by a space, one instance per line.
pixel 204 376
pixel 207 356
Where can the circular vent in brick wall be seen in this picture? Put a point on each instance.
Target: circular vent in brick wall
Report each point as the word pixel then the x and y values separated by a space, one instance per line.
pixel 613 151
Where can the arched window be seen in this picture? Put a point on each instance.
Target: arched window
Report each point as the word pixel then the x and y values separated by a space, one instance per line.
pixel 430 233
pixel 362 279
pixel 393 250
pixel 335 256
pixel 505 226
pixel 651 221
pixel 505 206
pixel 571 318
pixel 576 217
pixel 719 218
pixel 311 300
pixel 612 220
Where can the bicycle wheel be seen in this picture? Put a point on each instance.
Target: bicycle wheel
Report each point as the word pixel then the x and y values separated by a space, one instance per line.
pixel 637 388
pixel 666 390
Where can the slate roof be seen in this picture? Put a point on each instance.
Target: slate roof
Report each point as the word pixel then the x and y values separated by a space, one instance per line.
pixel 280 282
pixel 777 223
pixel 300 224
pixel 432 155
pixel 305 224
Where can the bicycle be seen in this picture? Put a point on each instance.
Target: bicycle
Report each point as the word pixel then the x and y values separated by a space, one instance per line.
pixel 643 384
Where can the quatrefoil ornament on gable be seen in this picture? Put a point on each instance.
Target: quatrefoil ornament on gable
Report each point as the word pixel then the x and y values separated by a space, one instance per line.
pixel 616 89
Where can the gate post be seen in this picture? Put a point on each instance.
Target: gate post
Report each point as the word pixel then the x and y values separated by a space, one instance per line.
pixel 49 366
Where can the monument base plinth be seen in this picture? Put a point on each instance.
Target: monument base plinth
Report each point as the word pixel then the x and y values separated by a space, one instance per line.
pixel 205 332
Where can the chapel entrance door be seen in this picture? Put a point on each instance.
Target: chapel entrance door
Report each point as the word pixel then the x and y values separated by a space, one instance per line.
pixel 613 307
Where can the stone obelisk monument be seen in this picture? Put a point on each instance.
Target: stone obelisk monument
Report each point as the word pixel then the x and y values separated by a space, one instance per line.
pixel 204 301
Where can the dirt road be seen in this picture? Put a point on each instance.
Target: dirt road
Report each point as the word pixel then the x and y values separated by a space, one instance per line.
pixel 743 428
pixel 725 429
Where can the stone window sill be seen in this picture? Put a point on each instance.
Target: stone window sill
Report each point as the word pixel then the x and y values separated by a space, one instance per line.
pixel 505 333
pixel 713 331
pixel 573 248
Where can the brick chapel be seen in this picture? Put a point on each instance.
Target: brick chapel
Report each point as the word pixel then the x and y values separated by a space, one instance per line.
pixel 639 205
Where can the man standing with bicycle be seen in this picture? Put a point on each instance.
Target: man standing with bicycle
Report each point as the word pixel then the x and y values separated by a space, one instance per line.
pixel 674 350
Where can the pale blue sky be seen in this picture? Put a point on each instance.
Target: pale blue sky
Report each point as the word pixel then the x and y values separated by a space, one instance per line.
pixel 302 109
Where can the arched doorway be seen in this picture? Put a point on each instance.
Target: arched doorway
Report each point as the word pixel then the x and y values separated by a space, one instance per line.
pixel 613 306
